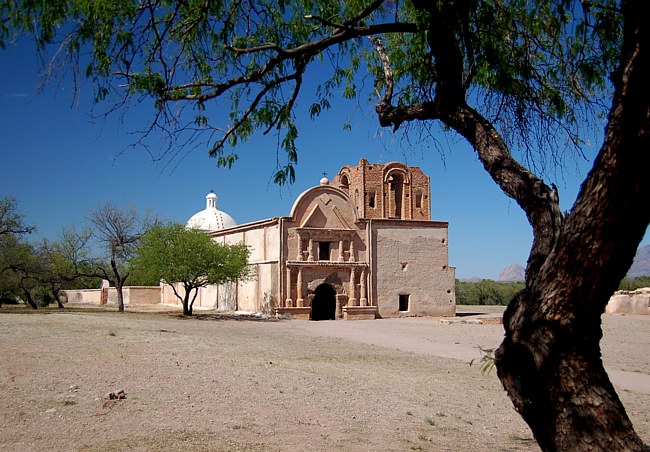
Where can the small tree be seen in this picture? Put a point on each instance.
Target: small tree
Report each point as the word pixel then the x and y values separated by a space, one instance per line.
pixel 21 268
pixel 119 231
pixel 18 260
pixel 67 264
pixel 189 258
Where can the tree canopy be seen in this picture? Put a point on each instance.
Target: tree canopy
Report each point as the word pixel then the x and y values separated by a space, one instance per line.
pixel 189 258
pixel 535 69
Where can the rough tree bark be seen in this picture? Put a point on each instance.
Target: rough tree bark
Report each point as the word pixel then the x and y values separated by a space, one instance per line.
pixel 549 361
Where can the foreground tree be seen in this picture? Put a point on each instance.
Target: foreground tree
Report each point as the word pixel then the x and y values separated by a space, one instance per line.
pixel 189 258
pixel 522 75
pixel 119 232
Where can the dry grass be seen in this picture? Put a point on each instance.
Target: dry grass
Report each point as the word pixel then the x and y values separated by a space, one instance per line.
pixel 226 382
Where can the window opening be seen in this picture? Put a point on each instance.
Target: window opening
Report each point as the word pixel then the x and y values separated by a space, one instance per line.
pixel 371 200
pixel 345 184
pixel 323 251
pixel 404 303
pixel 418 199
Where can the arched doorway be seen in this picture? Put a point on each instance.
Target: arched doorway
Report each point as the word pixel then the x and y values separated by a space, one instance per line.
pixel 323 306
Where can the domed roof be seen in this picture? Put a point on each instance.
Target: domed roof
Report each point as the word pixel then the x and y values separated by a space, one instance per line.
pixel 211 219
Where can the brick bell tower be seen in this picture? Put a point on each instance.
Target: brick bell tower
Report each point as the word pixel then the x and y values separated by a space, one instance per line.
pixel 390 191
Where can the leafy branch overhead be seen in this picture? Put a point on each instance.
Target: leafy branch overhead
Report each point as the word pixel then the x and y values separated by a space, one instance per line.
pixel 524 64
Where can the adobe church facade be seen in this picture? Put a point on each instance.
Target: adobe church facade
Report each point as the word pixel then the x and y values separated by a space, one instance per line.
pixel 362 246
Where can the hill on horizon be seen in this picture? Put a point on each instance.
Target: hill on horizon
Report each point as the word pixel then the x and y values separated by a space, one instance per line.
pixel 641 264
pixel 517 273
pixel 513 273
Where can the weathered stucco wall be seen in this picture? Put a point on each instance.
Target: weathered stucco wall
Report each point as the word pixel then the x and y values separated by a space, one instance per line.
pixel 263 240
pixel 636 302
pixel 138 295
pixel 90 296
pixel 411 262
pixel 132 295
pixel 260 292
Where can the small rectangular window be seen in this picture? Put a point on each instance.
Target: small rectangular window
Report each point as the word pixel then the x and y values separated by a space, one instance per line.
pixel 323 251
pixel 418 200
pixel 371 200
pixel 404 303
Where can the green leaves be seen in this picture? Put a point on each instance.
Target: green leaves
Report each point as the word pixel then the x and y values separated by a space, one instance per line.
pixel 148 82
pixel 524 64
pixel 176 254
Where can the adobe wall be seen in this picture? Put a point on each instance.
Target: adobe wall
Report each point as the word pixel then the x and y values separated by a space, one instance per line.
pixel 134 295
pixel 89 296
pixel 410 259
pixel 260 292
pixel 205 298
pixel 635 302
pixel 263 241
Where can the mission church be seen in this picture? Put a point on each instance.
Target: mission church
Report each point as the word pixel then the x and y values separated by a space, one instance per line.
pixel 361 246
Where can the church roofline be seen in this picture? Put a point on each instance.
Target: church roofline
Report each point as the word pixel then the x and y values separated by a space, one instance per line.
pixel 324 188
pixel 407 223
pixel 245 226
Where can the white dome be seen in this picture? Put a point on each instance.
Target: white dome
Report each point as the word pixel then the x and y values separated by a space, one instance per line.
pixel 211 219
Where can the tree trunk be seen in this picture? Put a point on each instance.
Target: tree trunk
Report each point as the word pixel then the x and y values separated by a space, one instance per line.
pixel 30 300
pixel 187 306
pixel 554 375
pixel 193 292
pixel 119 283
pixel 550 361
pixel 120 297
pixel 57 297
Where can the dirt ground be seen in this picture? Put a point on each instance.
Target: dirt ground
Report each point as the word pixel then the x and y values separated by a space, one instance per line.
pixel 226 383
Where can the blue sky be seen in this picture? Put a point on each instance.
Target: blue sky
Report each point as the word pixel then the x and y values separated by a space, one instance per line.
pixel 60 164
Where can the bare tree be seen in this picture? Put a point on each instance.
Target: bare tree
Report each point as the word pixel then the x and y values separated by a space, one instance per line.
pixel 11 221
pixel 119 232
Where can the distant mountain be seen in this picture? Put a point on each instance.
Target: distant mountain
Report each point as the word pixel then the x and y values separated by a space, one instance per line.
pixel 641 264
pixel 640 267
pixel 513 273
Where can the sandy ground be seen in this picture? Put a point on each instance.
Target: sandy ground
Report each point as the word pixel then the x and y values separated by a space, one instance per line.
pixel 219 383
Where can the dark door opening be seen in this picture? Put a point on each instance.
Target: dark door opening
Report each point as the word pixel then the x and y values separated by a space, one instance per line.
pixel 396 192
pixel 323 306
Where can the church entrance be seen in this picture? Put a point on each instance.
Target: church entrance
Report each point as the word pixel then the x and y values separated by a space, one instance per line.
pixel 323 306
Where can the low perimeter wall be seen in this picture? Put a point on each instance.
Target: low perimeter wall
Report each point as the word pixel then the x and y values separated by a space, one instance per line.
pixel 635 302
pixel 133 295
pixel 87 296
